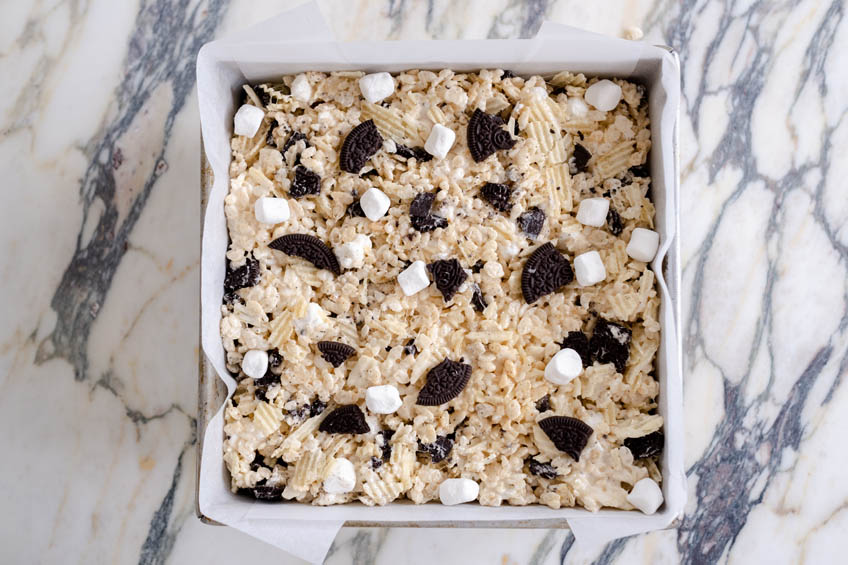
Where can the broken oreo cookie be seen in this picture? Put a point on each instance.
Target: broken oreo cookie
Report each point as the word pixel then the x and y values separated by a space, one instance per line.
pixel 420 216
pixel 545 272
pixel 486 135
pixel 531 222
pixel 308 247
pixel 265 492
pixel 568 434
pixel 448 275
pixel 645 446
pixel 305 182
pixel 360 144
pixel 581 158
pixel 610 343
pixel 347 419
pixel 497 195
pixel 245 276
pixel 438 450
pixel 614 223
pixel 478 301
pixel 579 343
pixel 335 353
pixel 444 382
pixel 544 470
pixel 419 153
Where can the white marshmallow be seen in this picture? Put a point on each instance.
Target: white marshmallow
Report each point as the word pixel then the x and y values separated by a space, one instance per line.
pixel 643 244
pixel 351 255
pixel 271 210
pixel 589 268
pixel 315 319
pixel 457 491
pixel 383 399
pixel 255 363
pixel 247 120
pixel 564 367
pixel 603 95
pixel 374 204
pixel 414 278
pixel 577 107
pixel 593 212
pixel 646 496
pixel 439 141
pixel 341 478
pixel 375 87
pixel 301 89
pixel 633 33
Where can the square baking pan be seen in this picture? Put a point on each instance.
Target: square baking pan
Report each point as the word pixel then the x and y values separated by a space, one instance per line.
pixel 244 60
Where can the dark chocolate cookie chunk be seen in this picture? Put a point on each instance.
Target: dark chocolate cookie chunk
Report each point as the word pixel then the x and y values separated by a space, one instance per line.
pixel 242 277
pixel 409 348
pixel 438 450
pixel 507 74
pixel 531 222
pixel 275 359
pixel 640 170
pixel 497 195
pixel 545 272
pixel 376 462
pixel 383 439
pixel 478 266
pixel 308 247
pixel 294 137
pixel 544 403
pixel 579 342
pixel 418 153
pixel 335 353
pixel 448 275
pixel 355 210
pixel 427 223
pixel 360 144
pixel 581 158
pixel 269 138
pixel 614 222
pixel 610 343
pixel 544 470
pixel 444 382
pixel 569 435
pixel 486 135
pixel 305 182
pixel 421 204
pixel 478 301
pixel 265 492
pixel 347 419
pixel 645 446
pixel 316 407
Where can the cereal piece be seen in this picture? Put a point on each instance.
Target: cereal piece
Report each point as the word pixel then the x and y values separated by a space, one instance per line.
pixel 335 353
pixel 603 95
pixel 589 268
pixel 544 470
pixel 569 435
pixel 247 120
pixel 444 382
pixel 643 244
pixel 564 367
pixel 440 140
pixel 448 275
pixel 497 195
pixel 581 158
pixel 646 496
pixel 577 107
pixel 614 222
pixel 414 278
pixel 645 446
pixel 610 343
pixel 531 222
pixel 315 318
pixel 486 135
pixel 376 86
pixel 254 364
pixel 546 271
pixel 593 212
pixel 271 210
pixel 351 255
pixel 382 399
pixel 307 247
pixel 347 419
pixel 374 204
pixel 341 477
pixel 360 144
pixel 305 182
pixel 579 342
pixel 301 89
pixel 458 491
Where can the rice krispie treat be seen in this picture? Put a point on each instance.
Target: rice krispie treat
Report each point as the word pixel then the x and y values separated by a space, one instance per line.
pixel 438 289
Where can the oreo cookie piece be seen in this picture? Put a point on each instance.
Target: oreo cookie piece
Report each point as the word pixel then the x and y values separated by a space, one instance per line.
pixel 579 342
pixel 545 271
pixel 477 300
pixel 640 170
pixel 444 382
pixel 419 213
pixel 421 204
pixel 478 266
pixel 418 153
pixel 316 407
pixel 258 462
pixel 265 492
pixel 385 447
pixel 427 223
pixel 497 195
pixel 409 348
pixel 543 404
pixel 308 247
pixel 581 158
pixel 335 353
pixel 355 210
pixel 569 435
pixel 245 276
pixel 294 137
pixel 448 275
pixel 544 470
pixel 507 74
pixel 438 450
pixel 531 222
pixel 275 359
pixel 376 462
pixel 269 138
pixel 347 419
pixel 360 144
pixel 486 135
pixel 645 446
pixel 610 343
pixel 614 222
pixel 305 182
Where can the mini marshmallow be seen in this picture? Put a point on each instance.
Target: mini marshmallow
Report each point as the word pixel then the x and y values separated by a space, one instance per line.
pixel 315 319
pixel 271 210
pixel 374 204
pixel 633 33
pixel 564 367
pixel 646 496
pixel 247 120
pixel 589 268
pixel 383 399
pixel 301 89
pixel 593 212
pixel 577 107
pixel 255 363
pixel 457 491
pixel 439 141
pixel 341 478
pixel 643 244
pixel 351 255
pixel 603 95
pixel 414 278
pixel 375 87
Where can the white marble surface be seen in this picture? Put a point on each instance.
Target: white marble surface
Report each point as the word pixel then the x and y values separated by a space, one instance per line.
pixel 99 153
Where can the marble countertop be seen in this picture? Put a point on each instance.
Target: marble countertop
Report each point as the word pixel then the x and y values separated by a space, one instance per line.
pixel 99 150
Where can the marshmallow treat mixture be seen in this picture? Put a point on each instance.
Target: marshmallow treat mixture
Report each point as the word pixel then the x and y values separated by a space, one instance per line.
pixel 439 289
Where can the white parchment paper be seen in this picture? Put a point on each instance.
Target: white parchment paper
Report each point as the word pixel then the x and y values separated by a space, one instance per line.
pixel 300 40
